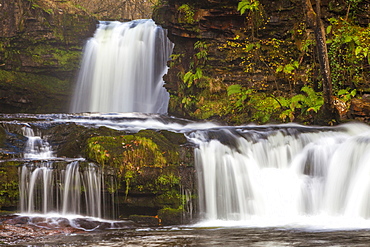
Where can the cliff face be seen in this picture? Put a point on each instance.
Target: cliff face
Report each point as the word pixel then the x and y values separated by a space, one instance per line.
pixel 269 53
pixel 40 47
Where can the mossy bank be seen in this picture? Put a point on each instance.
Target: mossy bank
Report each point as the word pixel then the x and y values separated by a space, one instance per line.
pixel 41 43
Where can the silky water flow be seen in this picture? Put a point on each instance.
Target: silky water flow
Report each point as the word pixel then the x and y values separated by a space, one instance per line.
pixel 285 177
pixel 122 69
pixel 49 185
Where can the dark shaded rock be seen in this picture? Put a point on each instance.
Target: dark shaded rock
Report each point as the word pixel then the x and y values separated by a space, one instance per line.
pixel 21 220
pixel 86 224
pixel 13 141
pixel 171 216
pixel 360 109
pixel 70 140
pixel 123 224
pixel 145 220
pixel 62 223
pixel 89 224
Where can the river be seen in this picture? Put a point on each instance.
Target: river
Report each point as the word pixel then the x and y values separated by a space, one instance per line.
pixel 212 236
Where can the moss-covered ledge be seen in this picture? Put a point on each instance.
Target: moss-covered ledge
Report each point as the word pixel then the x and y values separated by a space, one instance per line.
pixel 154 171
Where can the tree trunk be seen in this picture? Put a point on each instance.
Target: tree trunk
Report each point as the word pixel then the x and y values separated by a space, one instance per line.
pixel 328 111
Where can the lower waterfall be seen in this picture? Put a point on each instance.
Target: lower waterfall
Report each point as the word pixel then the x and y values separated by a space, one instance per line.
pixel 284 176
pixel 52 185
pixel 46 188
pixel 257 176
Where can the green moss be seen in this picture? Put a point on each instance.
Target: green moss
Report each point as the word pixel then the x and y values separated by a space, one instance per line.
pixel 27 92
pixel 9 191
pixel 146 148
pixel 170 216
pixel 46 55
pixel 146 162
pixel 186 14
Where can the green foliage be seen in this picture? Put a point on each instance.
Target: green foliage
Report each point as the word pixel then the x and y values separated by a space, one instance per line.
pixel 176 59
pixel 9 191
pixel 194 77
pixel 263 107
pixel 288 68
pixel 169 180
pixel 251 5
pixel 239 94
pixel 202 50
pixel 191 77
pixel 307 103
pixel 349 53
pixel 256 16
pixel 346 94
pixel 132 156
pixel 187 13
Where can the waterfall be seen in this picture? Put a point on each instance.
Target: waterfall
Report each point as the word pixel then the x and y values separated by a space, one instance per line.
pixel 67 190
pixel 122 69
pixel 284 175
pixel 36 147
pixel 51 185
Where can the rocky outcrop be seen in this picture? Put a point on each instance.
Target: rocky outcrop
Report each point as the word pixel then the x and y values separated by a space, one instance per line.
pixel 269 51
pixel 155 170
pixel 360 109
pixel 218 24
pixel 40 47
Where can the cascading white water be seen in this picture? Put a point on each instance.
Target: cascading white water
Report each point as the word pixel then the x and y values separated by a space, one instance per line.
pixel 280 177
pixel 36 147
pixel 50 186
pixel 122 69
pixel 45 188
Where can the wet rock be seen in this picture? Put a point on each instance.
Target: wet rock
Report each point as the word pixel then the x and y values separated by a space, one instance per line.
pixel 144 220
pixel 18 229
pixel 63 223
pixel 360 109
pixel 90 224
pixel 86 224
pixel 171 216
pixel 38 220
pixel 21 220
pixel 127 224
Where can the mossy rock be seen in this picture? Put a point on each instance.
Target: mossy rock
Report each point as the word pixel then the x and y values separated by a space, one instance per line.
pixel 170 216
pixel 12 141
pixel 40 50
pixel 28 93
pixel 149 166
pixel 70 139
pixel 147 148
pixel 9 191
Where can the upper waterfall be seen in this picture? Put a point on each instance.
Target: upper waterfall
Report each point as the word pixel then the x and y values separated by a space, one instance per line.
pixel 122 69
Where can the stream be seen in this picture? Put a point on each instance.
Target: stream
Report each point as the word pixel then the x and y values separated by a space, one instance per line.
pixel 214 236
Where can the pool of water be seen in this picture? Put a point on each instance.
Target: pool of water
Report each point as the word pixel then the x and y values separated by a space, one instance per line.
pixel 194 236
